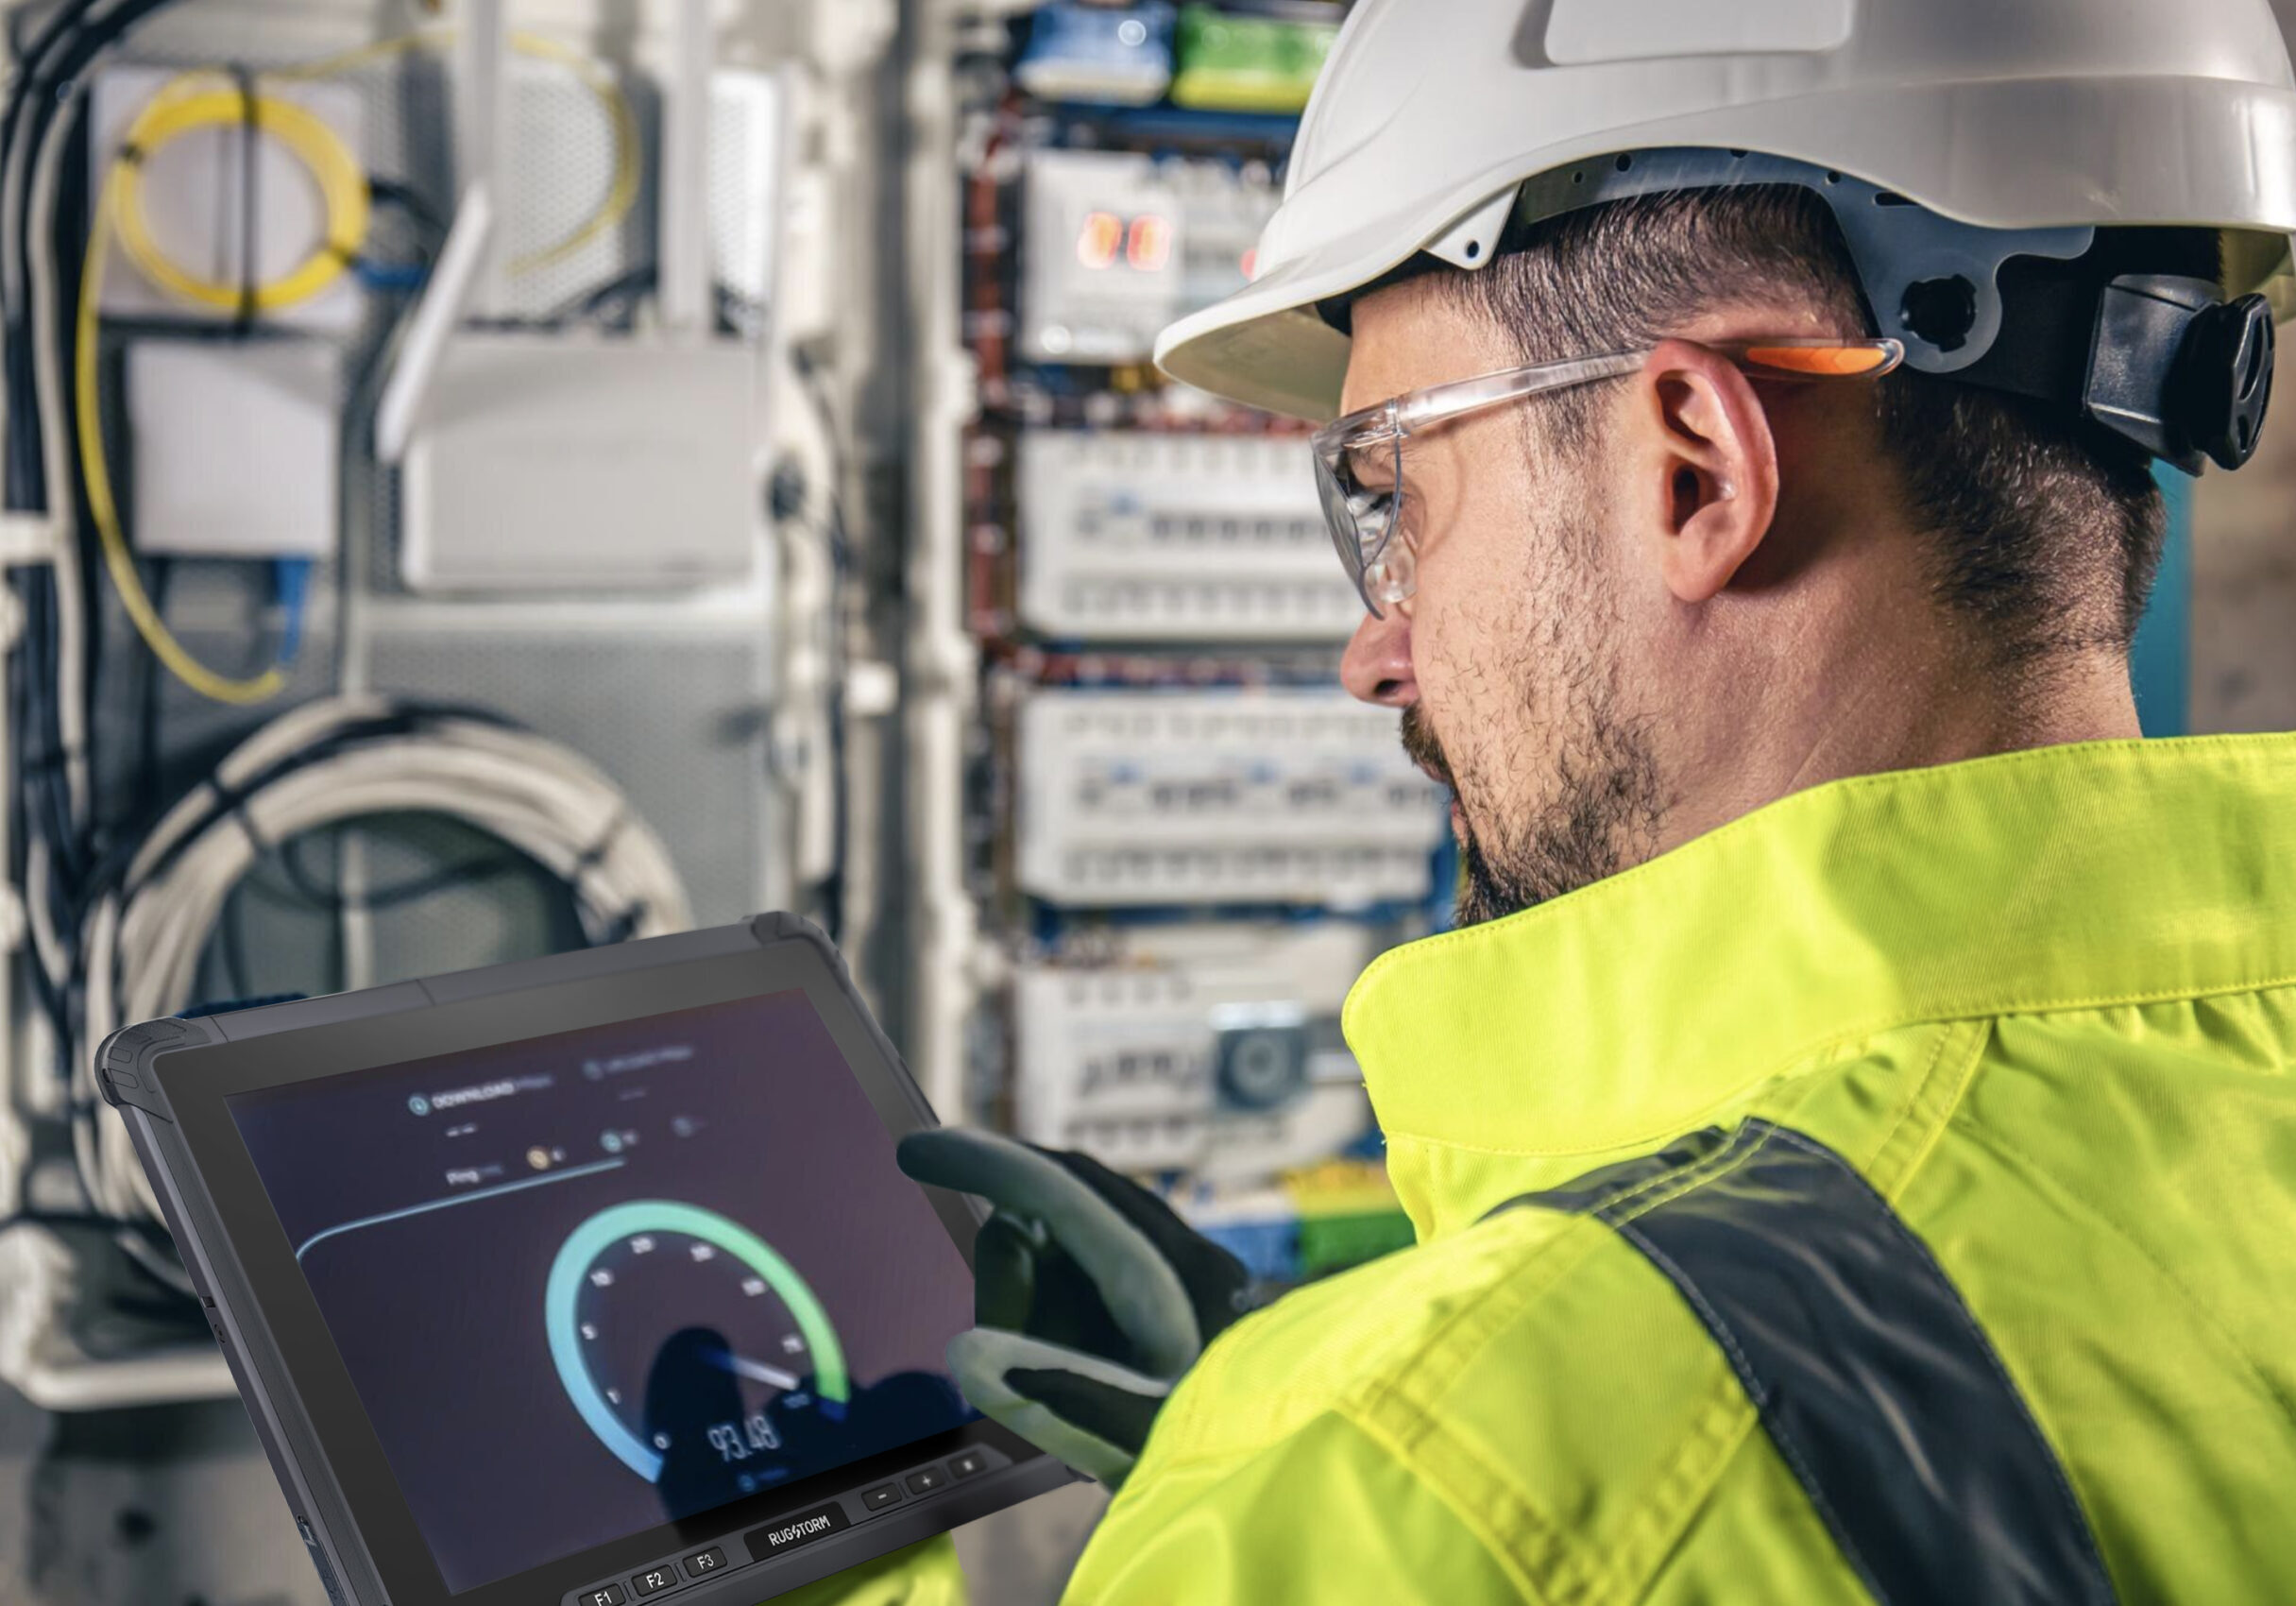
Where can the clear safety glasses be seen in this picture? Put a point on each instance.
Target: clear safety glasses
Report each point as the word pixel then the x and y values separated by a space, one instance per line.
pixel 1359 459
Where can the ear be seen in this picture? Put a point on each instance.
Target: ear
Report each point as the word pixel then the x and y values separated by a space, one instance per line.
pixel 1706 467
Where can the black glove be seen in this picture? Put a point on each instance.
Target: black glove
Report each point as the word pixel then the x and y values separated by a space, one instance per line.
pixel 1091 1296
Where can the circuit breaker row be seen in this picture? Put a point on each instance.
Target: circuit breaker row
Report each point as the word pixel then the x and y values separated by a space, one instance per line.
pixel 1208 1047
pixel 1138 536
pixel 1132 797
pixel 1196 1048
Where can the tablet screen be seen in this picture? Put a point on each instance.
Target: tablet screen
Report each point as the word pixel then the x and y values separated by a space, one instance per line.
pixel 590 1283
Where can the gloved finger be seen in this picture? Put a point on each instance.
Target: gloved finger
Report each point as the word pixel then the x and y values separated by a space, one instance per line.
pixel 1064 1305
pixel 1004 1273
pixel 1141 1288
pixel 988 1362
pixel 1216 1280
pixel 1109 1413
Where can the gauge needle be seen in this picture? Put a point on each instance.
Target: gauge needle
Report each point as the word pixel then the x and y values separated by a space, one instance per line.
pixel 756 1371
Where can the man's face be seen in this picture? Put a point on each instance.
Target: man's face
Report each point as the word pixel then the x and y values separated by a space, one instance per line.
pixel 1513 664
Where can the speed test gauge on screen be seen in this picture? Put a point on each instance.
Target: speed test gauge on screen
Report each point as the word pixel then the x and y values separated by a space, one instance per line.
pixel 580 1281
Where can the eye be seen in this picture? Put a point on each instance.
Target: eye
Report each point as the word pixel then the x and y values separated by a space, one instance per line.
pixel 1371 503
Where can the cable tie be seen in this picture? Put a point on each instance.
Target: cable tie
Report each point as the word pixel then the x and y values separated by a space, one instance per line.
pixel 249 161
pixel 240 812
pixel 594 855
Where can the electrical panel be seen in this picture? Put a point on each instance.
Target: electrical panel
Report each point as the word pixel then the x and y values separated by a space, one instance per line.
pixel 1214 1050
pixel 1116 245
pixel 1187 838
pixel 1133 536
pixel 1227 796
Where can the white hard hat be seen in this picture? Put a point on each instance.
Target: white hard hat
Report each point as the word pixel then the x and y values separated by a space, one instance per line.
pixel 2048 118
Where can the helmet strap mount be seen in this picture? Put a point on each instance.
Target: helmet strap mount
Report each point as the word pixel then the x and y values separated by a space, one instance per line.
pixel 2156 358
pixel 2180 373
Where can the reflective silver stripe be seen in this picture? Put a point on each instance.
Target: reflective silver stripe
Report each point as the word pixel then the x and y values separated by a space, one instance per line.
pixel 1871 1376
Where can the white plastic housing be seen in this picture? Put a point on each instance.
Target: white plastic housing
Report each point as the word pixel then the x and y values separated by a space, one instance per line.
pixel 1115 245
pixel 1120 1059
pixel 1176 538
pixel 234 447
pixel 561 464
pixel 1227 796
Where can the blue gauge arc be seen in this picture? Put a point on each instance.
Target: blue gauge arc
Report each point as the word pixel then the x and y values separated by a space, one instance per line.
pixel 609 1227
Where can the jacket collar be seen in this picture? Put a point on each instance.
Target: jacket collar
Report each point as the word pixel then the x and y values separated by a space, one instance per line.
pixel 1607 1022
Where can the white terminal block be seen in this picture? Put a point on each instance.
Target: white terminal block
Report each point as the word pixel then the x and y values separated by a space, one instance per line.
pixel 1116 245
pixel 558 463
pixel 234 446
pixel 1208 1049
pixel 1139 537
pixel 1231 796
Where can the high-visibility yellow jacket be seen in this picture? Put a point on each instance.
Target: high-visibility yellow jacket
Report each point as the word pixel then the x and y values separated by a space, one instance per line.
pixel 1888 1195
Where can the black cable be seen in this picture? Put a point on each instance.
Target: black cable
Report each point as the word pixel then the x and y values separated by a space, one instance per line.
pixel 841 569
pixel 24 487
pixel 31 689
pixel 29 1218
pixel 43 91
pixel 48 93
pixel 398 719
pixel 157 582
pixel 250 165
pixel 472 872
pixel 406 199
pixel 233 942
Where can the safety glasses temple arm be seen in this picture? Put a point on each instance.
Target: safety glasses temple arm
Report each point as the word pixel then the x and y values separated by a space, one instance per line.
pixel 1784 357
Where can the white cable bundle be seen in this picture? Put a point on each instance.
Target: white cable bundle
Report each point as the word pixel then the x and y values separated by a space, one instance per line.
pixel 143 939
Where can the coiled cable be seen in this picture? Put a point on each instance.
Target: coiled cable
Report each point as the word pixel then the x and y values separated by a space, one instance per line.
pixel 316 767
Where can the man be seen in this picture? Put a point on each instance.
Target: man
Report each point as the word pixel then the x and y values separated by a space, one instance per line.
pixel 1853 1137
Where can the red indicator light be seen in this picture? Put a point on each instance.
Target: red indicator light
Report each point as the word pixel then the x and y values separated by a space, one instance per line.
pixel 1098 243
pixel 1149 247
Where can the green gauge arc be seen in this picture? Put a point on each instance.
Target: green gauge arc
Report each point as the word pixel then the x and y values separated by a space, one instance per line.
pixel 594 1235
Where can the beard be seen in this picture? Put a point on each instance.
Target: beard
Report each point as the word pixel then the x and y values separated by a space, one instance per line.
pixel 1598 814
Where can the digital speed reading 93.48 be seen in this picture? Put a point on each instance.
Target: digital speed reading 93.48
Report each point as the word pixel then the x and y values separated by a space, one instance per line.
pixel 681 1337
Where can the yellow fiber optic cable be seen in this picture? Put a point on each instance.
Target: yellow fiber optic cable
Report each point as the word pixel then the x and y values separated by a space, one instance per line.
pixel 334 167
pixel 622 192
pixel 87 408
pixel 595 76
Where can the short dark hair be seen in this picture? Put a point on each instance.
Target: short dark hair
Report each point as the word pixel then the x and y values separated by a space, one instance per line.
pixel 2048 530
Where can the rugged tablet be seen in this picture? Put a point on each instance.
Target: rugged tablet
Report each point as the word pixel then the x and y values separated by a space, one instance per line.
pixel 580 1281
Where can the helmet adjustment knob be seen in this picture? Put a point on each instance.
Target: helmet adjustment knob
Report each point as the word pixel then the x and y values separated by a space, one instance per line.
pixel 2224 379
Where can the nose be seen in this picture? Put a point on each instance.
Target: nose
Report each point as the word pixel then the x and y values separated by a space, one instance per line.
pixel 1377 666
